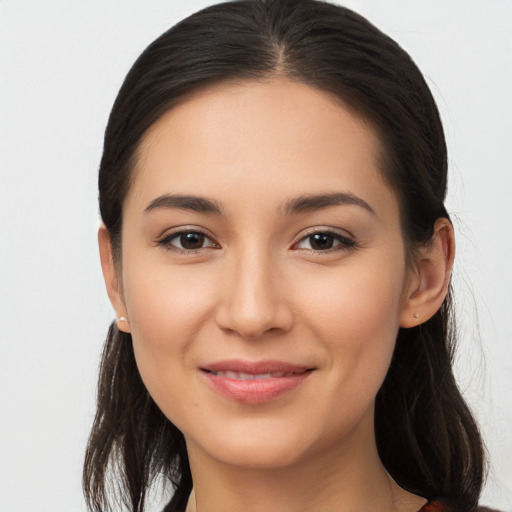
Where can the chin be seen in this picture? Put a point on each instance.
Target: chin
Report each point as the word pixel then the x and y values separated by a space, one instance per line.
pixel 251 455
pixel 255 444
pixel 266 443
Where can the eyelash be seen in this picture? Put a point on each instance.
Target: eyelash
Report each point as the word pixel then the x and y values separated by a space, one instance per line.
pixel 344 243
pixel 167 240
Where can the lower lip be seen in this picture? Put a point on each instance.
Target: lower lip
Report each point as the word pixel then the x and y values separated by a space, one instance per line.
pixel 255 391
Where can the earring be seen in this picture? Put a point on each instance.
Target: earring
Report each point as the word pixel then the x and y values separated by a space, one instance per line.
pixel 416 315
pixel 122 319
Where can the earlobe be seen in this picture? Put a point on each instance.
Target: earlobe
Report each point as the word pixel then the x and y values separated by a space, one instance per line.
pixel 111 278
pixel 430 285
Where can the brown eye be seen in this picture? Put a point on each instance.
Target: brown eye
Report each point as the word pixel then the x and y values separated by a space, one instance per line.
pixel 325 241
pixel 191 241
pixel 187 241
pixel 321 241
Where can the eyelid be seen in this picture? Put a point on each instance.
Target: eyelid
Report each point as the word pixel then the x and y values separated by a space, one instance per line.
pixel 346 239
pixel 164 240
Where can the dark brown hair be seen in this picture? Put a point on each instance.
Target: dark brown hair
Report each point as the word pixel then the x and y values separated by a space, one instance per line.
pixel 426 436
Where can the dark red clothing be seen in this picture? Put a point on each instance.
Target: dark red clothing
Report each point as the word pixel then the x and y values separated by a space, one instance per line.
pixel 434 506
pixel 437 506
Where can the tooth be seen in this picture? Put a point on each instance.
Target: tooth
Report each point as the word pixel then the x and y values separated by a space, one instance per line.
pixel 250 376
pixel 261 376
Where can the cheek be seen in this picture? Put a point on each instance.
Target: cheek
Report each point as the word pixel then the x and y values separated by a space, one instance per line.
pixel 355 317
pixel 359 297
pixel 166 310
pixel 165 302
pixel 356 313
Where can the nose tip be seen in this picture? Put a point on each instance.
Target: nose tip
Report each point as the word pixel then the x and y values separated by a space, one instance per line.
pixel 254 305
pixel 253 319
pixel 252 324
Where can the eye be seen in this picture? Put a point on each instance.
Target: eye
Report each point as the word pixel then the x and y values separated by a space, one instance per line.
pixel 187 241
pixel 325 241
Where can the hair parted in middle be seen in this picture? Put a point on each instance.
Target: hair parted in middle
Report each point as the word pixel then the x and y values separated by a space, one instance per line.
pixel 426 435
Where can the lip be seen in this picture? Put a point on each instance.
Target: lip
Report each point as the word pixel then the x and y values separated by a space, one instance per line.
pixel 254 382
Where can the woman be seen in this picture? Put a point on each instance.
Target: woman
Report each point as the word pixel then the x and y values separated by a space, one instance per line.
pixel 278 254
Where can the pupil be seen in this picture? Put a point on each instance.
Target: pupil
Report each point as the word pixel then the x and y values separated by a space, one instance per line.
pixel 192 240
pixel 321 241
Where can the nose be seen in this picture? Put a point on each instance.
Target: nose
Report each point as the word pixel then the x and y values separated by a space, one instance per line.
pixel 254 297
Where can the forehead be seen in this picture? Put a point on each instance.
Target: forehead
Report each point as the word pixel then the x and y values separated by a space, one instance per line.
pixel 259 140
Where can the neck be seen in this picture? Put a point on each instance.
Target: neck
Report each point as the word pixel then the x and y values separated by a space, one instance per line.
pixel 344 478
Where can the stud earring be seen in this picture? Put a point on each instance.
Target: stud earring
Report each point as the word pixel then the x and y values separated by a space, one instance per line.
pixel 416 315
pixel 122 319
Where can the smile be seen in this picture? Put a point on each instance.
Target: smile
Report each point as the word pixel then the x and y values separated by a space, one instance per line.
pixel 253 376
pixel 254 383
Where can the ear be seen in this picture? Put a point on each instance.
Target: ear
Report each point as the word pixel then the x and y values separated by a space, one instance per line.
pixel 112 281
pixel 431 276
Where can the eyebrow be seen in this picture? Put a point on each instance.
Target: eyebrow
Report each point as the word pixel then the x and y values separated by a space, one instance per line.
pixel 185 202
pixel 302 204
pixel 309 203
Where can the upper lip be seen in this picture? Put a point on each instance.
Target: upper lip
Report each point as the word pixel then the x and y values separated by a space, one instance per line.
pixel 256 367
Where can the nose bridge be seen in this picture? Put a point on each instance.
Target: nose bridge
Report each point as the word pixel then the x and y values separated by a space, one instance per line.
pixel 254 298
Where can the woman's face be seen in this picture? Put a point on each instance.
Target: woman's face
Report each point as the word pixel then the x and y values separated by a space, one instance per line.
pixel 263 272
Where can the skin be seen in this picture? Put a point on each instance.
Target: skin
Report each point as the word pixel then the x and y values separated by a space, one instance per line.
pixel 258 289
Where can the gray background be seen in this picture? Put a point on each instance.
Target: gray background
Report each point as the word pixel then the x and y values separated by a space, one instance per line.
pixel 61 64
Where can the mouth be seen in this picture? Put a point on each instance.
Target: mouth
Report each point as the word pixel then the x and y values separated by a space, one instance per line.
pixel 254 376
pixel 255 383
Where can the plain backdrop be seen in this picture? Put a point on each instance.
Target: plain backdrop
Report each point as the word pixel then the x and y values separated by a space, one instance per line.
pixel 61 64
